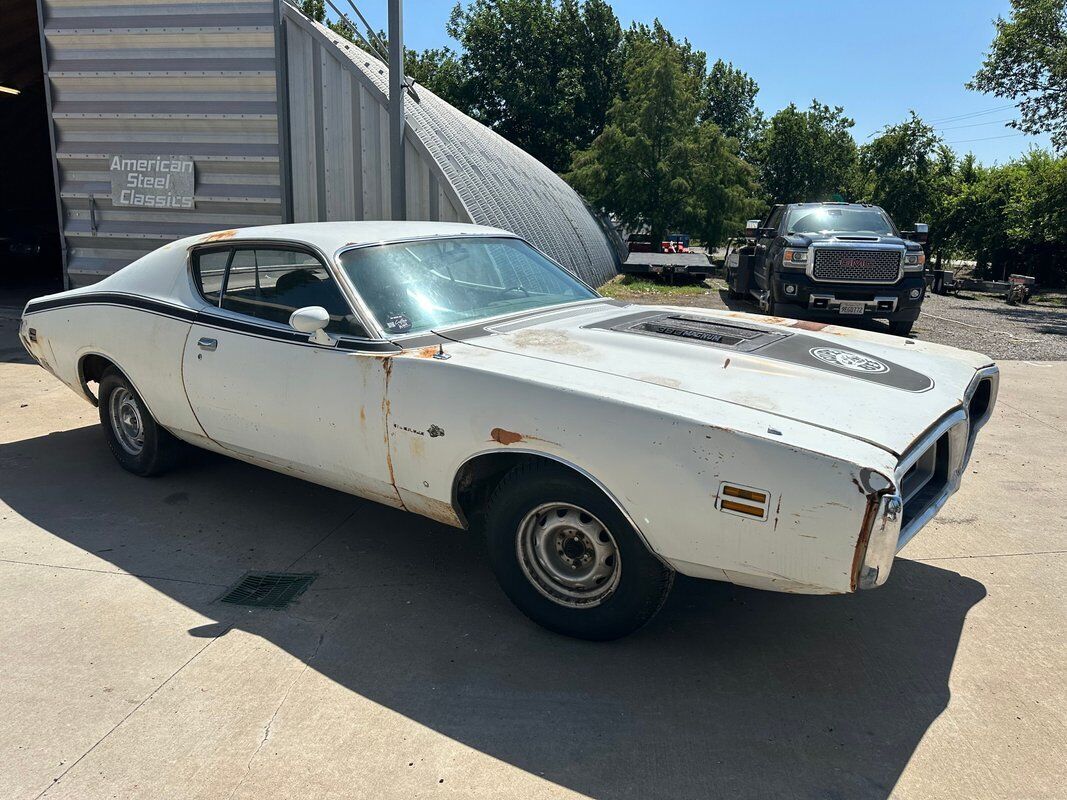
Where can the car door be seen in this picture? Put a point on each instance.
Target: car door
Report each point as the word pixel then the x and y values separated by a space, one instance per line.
pixel 264 391
pixel 765 247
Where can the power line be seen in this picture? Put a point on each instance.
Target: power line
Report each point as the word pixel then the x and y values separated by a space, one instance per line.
pixel 975 124
pixel 985 139
pixel 971 114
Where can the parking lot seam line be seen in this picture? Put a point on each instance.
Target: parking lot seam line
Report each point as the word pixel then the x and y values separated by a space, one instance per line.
pixel 56 780
pixel 982 328
pixel 1031 416
pixel 994 555
pixel 329 533
pixel 109 572
pixel 288 690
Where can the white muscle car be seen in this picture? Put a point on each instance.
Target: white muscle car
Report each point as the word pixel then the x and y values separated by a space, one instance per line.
pixel 456 372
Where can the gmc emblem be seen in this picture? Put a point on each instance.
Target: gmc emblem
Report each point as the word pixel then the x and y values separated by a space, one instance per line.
pixel 856 263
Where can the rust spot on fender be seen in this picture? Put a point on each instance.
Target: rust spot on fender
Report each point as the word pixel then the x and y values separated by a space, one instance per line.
pixel 421 352
pixel 501 436
pixel 805 325
pixel 220 236
pixel 506 437
pixel 726 363
pixel 861 542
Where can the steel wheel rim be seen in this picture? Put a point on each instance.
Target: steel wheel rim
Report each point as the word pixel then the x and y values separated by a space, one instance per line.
pixel 568 555
pixel 127 420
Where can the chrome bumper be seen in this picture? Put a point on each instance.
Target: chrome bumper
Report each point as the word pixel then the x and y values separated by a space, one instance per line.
pixel 905 509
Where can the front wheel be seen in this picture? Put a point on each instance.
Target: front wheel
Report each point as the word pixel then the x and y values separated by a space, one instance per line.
pixel 568 558
pixel 136 440
pixel 901 328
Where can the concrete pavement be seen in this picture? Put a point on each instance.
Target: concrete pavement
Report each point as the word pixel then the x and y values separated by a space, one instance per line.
pixel 404 672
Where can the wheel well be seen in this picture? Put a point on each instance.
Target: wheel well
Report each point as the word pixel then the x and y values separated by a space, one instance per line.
pixel 92 368
pixel 477 478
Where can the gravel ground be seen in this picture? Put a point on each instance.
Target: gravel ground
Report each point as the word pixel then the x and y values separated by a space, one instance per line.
pixel 981 322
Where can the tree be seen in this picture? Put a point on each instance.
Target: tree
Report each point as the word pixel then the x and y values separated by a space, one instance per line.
pixel 807 155
pixel 539 73
pixel 899 170
pixel 730 102
pixel 1027 63
pixel 656 166
pixel 441 71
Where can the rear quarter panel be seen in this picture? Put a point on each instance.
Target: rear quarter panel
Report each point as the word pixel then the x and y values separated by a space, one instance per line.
pixel 145 346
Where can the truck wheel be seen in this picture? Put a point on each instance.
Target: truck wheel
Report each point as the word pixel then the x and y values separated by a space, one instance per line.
pixel 568 558
pixel 136 440
pixel 901 328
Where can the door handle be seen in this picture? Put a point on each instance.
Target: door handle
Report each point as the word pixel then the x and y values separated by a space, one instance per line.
pixel 207 344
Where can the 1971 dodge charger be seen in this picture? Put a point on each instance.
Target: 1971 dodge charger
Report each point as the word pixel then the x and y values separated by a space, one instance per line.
pixel 456 372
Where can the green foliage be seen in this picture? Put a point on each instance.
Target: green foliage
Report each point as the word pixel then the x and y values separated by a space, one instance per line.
pixel 730 102
pixel 899 171
pixel 1027 63
pixel 1013 218
pixel 540 73
pixel 656 165
pixel 807 155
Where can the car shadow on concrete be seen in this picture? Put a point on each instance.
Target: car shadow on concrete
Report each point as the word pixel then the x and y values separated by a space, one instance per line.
pixel 727 693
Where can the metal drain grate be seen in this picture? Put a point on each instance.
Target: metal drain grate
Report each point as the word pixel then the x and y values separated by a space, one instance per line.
pixel 268 589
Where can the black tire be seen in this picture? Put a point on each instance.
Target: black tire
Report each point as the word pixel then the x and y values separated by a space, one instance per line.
pixel 159 450
pixel 901 328
pixel 639 582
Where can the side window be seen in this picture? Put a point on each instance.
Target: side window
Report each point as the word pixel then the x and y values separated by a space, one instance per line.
pixel 211 272
pixel 270 284
pixel 775 218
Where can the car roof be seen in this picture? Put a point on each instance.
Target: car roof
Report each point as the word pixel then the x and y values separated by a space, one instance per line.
pixel 831 203
pixel 332 236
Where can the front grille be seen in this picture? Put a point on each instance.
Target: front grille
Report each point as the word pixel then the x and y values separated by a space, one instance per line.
pixel 848 264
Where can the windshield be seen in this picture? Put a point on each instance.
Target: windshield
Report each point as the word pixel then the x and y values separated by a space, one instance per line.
pixel 416 286
pixel 839 220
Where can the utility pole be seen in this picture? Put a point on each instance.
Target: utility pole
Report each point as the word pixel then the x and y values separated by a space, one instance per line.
pixel 397 176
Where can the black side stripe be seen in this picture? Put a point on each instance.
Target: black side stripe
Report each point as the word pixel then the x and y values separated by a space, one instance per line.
pixel 208 319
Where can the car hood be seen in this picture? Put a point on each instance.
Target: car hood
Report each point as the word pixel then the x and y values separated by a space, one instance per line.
pixel 880 389
pixel 844 238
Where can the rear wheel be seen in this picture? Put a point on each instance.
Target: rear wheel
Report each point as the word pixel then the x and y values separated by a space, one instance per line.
pixel 901 328
pixel 135 439
pixel 568 558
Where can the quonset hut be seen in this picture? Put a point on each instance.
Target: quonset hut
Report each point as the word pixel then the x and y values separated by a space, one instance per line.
pixel 170 119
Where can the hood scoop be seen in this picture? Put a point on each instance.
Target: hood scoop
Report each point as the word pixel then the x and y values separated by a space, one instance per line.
pixel 694 329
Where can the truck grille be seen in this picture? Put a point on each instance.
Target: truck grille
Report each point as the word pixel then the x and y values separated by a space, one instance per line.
pixel 846 264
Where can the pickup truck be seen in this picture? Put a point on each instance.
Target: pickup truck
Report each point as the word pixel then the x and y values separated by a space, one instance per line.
pixel 831 259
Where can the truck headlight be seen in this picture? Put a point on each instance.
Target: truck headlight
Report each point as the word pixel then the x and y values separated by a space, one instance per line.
pixel 795 256
pixel 914 260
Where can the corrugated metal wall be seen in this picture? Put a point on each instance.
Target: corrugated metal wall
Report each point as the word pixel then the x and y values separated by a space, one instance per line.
pixel 135 77
pixel 203 79
pixel 339 126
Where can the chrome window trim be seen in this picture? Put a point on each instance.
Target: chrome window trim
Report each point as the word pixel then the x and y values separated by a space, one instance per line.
pixel 332 270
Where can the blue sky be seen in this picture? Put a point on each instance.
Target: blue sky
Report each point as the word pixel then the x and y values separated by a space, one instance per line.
pixel 877 59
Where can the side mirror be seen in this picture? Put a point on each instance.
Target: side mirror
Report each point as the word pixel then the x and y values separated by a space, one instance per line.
pixel 752 229
pixel 313 320
pixel 922 232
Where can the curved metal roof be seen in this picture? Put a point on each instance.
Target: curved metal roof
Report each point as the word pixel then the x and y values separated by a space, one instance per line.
pixel 498 183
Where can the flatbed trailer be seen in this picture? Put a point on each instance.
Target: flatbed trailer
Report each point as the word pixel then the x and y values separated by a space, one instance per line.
pixel 667 264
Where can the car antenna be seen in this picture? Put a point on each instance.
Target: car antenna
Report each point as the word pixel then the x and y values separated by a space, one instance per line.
pixel 441 354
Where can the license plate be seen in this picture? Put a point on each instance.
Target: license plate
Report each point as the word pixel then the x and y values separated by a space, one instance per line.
pixel 851 308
